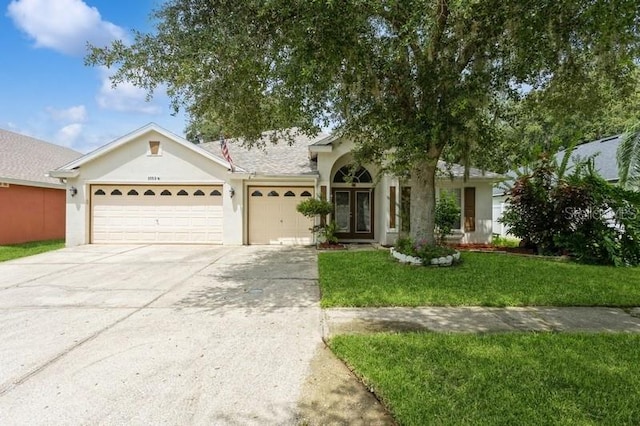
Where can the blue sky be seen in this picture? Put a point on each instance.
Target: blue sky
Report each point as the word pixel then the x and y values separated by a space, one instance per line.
pixel 47 92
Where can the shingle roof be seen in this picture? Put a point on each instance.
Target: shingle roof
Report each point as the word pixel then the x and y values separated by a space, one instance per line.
pixel 605 162
pixel 24 158
pixel 272 159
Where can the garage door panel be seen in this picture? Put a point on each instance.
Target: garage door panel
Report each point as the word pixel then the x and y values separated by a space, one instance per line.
pixel 273 218
pixel 156 218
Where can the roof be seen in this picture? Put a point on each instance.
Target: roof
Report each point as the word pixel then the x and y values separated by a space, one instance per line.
pixel 26 159
pixel 457 171
pixel 605 161
pixel 269 159
pixel 128 138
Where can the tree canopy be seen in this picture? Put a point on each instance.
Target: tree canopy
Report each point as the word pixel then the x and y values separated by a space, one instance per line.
pixel 410 81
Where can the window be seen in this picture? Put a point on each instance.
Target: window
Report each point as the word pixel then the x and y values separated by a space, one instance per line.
pixel 132 192
pixel 198 193
pixel 305 194
pixel 116 192
pixel 215 193
pixel 149 192
pixel 154 147
pixel 289 194
pixel 182 192
pixel 344 175
pixel 99 192
pixel 256 194
pixel 273 194
pixel 456 194
pixel 165 192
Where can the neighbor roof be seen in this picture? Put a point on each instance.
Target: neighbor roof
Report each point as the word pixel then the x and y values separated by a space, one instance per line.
pixel 605 161
pixel 282 158
pixel 25 159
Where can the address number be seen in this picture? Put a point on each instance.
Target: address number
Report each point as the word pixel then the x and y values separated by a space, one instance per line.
pixel 154 178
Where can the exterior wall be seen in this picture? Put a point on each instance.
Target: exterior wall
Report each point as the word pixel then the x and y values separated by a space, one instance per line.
pixel 499 206
pixel 132 163
pixel 483 232
pixel 29 213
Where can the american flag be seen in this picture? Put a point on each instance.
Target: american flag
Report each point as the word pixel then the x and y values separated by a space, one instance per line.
pixel 225 152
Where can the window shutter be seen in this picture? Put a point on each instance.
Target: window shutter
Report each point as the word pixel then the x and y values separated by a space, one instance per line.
pixel 392 207
pixel 470 209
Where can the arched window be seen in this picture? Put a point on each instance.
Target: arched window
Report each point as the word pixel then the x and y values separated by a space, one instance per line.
pixel 289 194
pixel 344 175
pixel 305 194
pixel 99 192
pixel 149 192
pixel 182 192
pixel 215 193
pixel 132 192
pixel 116 192
pixel 273 194
pixel 165 192
pixel 198 193
pixel 256 194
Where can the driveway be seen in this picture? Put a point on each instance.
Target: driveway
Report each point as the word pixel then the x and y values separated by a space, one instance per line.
pixel 157 334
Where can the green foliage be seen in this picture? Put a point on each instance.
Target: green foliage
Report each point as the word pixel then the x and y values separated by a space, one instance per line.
pixel 328 233
pixel 499 378
pixel 628 157
pixel 409 81
pixel 501 241
pixel 313 207
pixel 421 249
pixel 373 278
pixel 580 214
pixel 447 216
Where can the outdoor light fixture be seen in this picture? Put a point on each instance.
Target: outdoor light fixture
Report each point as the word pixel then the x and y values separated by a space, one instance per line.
pixel 232 192
pixel 73 191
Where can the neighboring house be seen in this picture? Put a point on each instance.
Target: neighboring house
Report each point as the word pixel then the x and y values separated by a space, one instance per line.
pixel 604 150
pixel 32 205
pixel 152 186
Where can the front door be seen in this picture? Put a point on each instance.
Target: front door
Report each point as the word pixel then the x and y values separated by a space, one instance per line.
pixel 353 213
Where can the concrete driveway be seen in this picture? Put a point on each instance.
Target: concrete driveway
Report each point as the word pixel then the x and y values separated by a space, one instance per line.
pixel 157 334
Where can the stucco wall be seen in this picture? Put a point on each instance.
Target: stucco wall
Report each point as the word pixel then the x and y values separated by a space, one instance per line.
pixel 131 163
pixel 29 213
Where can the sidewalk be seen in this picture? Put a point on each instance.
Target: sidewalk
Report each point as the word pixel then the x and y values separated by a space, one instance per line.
pixel 480 319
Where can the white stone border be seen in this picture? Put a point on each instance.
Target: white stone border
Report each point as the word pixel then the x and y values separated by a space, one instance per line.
pixel 436 261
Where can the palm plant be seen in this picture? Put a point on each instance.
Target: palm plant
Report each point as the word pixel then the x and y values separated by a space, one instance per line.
pixel 628 157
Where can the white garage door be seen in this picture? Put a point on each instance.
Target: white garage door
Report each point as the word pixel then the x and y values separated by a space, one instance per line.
pixel 156 214
pixel 273 218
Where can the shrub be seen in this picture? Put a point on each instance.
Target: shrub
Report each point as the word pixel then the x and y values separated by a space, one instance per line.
pixel 447 216
pixel 421 249
pixel 317 208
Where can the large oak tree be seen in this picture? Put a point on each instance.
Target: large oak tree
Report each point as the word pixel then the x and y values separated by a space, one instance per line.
pixel 411 81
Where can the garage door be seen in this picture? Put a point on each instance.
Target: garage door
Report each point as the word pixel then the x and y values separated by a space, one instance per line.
pixel 273 218
pixel 156 214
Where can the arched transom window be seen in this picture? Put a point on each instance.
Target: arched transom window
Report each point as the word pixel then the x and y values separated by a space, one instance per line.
pixel 344 175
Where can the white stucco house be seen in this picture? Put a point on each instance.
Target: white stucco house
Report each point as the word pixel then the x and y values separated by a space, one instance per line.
pixel 152 186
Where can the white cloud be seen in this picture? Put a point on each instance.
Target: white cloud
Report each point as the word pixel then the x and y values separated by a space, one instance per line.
pixel 67 135
pixel 125 97
pixel 74 114
pixel 63 25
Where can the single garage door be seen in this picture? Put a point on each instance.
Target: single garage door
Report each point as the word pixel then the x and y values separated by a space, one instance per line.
pixel 273 218
pixel 156 214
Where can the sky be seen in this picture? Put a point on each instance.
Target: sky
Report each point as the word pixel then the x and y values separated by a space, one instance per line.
pixel 48 93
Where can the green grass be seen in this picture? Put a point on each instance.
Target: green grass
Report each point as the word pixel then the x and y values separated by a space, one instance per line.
pixel 373 278
pixel 506 379
pixel 15 251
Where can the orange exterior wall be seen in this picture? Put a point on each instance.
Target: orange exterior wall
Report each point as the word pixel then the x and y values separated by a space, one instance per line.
pixel 29 213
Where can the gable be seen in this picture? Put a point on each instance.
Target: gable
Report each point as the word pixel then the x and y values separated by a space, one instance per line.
pixel 152 157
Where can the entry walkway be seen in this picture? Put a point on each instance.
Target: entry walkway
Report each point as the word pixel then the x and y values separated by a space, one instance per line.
pixel 480 319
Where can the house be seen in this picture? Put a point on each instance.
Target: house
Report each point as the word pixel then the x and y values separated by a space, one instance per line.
pixel 32 205
pixel 152 186
pixel 605 163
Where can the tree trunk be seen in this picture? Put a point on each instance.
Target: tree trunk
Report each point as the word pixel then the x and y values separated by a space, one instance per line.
pixel 423 201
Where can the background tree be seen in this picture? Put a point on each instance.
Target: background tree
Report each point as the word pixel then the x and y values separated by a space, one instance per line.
pixel 409 81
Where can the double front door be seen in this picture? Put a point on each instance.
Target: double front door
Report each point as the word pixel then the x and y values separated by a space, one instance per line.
pixel 353 213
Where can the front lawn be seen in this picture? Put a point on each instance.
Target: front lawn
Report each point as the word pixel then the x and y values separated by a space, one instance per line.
pixel 372 278
pixel 15 251
pixel 523 379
